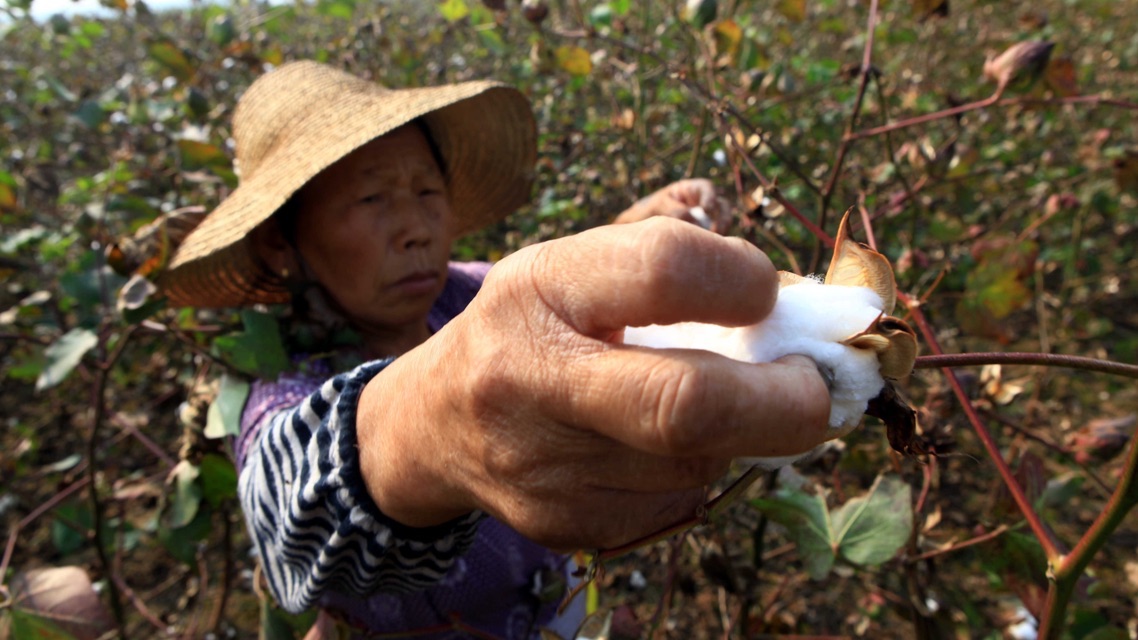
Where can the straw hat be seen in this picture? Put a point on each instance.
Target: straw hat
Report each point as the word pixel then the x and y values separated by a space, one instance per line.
pixel 294 122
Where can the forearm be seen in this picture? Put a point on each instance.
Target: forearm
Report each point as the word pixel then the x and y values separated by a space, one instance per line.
pixel 311 518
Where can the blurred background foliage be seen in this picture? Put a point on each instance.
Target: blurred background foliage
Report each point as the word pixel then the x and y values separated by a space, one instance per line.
pixel 1014 224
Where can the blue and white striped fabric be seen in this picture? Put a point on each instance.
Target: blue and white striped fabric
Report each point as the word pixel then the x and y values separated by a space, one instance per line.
pixel 307 507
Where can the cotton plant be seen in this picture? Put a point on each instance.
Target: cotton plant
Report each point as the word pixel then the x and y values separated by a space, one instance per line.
pixel 841 320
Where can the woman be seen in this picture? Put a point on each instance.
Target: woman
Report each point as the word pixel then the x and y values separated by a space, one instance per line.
pixel 429 483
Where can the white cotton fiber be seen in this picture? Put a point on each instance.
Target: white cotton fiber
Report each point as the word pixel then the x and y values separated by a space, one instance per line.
pixel 810 319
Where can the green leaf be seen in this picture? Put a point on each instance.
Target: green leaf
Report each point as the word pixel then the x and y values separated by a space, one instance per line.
pixel 601 15
pixel 64 354
pixel 187 494
pixel 91 114
pixel 700 12
pixel 202 155
pixel 218 479
pixel 181 542
pixel 336 9
pixel 808 523
pixel 454 10
pixel 224 416
pixel 221 30
pixel 172 59
pixel 197 103
pixel 867 530
pixel 872 528
pixel 27 625
pixel 258 350
pixel 7 191
pixel 278 624
pixel 69 528
pixel 92 29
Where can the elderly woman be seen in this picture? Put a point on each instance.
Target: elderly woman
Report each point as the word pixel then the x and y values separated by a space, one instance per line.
pixel 430 470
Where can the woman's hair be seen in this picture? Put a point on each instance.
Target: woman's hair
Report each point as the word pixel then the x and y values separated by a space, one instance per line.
pixel 286 215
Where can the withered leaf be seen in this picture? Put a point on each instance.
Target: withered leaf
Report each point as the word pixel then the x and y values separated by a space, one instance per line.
pixel 900 421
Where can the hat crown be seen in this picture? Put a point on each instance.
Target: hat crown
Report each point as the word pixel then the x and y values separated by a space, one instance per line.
pixel 279 107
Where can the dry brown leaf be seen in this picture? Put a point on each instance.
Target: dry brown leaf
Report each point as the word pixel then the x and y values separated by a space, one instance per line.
pixel 64 596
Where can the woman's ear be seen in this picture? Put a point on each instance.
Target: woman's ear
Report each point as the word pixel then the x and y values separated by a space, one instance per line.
pixel 274 251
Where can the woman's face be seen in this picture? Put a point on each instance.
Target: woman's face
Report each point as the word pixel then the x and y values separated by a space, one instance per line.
pixel 376 229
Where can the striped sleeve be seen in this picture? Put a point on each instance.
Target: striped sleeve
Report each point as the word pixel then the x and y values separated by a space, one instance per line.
pixel 313 523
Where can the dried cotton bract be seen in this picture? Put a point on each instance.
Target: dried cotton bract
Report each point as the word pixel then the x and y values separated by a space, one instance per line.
pixel 842 323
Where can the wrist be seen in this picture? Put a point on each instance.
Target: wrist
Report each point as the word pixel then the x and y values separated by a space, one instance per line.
pixel 398 452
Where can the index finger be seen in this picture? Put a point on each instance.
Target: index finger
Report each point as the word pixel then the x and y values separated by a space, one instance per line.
pixel 658 271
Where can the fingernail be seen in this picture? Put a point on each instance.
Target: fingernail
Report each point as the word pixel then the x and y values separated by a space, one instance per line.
pixel 801 361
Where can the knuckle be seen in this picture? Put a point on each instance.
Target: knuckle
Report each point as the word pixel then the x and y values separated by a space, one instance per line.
pixel 677 396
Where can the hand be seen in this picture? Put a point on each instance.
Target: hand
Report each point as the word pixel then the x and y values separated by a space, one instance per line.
pixel 528 406
pixel 676 201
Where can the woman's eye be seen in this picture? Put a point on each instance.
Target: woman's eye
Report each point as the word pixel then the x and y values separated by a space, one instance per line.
pixel 371 198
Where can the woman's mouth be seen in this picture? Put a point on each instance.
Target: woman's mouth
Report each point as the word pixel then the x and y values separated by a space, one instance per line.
pixel 418 283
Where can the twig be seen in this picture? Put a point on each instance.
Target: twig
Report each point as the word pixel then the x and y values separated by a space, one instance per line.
pixel 710 100
pixel 1065 571
pixel 98 411
pixel 139 605
pixel 665 603
pixel 994 533
pixel 1024 358
pixel 1020 429
pixel 708 511
pixel 827 194
pixel 226 570
pixel 993 100
pixel 777 196
pixel 31 517
pixel 1051 546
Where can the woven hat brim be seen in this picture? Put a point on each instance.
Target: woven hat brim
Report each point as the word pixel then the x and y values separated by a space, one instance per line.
pixel 485 133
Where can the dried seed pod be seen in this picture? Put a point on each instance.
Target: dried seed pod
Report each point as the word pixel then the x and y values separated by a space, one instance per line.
pixel 147 250
pixel 894 342
pixel 856 265
pixel 892 339
pixel 535 11
pixel 1021 64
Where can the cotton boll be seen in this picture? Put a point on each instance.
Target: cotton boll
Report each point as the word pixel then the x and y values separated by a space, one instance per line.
pixel 809 319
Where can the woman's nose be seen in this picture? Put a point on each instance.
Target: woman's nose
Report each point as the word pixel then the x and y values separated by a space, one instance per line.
pixel 412 221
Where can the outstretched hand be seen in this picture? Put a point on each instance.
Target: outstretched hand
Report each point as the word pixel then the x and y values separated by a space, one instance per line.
pixel 680 200
pixel 529 407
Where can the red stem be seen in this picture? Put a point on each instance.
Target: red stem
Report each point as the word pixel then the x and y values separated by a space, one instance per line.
pixel 998 531
pixel 1051 546
pixel 1016 357
pixel 993 100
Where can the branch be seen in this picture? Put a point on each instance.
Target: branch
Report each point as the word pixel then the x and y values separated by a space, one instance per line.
pixel 1066 570
pixel 994 533
pixel 993 100
pixel 712 102
pixel 1051 546
pixel 827 194
pixel 31 517
pixel 1022 358
pixel 98 413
